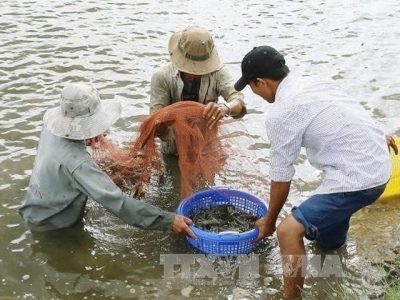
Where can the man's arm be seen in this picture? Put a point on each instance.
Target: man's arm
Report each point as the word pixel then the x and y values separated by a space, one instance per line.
pixel 278 196
pixel 234 107
pixel 98 186
pixel 234 99
pixel 159 91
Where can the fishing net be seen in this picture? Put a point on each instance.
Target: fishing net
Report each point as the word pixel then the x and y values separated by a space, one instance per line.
pixel 200 152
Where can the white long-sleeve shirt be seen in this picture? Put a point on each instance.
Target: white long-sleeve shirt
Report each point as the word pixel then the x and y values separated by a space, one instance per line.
pixel 339 136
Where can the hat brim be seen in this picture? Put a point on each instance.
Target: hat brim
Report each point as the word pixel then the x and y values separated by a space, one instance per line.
pixel 81 128
pixel 183 64
pixel 241 83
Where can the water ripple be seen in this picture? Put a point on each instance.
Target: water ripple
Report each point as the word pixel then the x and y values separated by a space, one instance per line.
pixel 115 45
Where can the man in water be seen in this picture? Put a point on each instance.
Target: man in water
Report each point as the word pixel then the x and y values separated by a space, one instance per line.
pixel 195 73
pixel 340 139
pixel 65 176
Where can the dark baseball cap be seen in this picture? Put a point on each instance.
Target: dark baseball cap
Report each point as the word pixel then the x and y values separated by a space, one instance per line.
pixel 261 62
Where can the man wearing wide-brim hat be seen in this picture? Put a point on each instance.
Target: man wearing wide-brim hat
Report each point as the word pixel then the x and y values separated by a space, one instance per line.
pixel 195 73
pixel 64 175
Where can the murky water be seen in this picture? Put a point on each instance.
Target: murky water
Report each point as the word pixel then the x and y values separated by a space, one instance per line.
pixel 115 45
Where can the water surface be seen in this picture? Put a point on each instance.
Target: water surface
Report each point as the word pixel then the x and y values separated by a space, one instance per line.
pixel 115 45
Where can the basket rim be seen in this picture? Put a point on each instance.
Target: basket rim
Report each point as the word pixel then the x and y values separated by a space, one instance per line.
pixel 214 190
pixel 220 189
pixel 200 233
pixel 216 237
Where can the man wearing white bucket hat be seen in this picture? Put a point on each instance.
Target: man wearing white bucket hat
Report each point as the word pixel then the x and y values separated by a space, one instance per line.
pixel 195 73
pixel 65 176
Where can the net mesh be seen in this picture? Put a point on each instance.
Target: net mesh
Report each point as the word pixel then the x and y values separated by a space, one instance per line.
pixel 200 152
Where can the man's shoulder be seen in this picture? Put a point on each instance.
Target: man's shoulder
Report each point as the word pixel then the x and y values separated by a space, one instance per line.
pixel 77 155
pixel 69 153
pixel 165 70
pixel 223 71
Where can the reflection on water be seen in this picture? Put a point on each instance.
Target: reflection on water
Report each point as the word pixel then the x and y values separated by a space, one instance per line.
pixel 115 45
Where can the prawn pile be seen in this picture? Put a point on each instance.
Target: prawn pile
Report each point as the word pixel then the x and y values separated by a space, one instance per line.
pixel 224 217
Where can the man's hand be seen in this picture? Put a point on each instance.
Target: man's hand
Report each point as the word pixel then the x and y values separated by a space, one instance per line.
pixel 213 113
pixel 390 141
pixel 278 196
pixel 180 226
pixel 265 228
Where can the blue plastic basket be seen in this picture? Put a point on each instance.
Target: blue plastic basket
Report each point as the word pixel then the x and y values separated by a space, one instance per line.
pixel 228 243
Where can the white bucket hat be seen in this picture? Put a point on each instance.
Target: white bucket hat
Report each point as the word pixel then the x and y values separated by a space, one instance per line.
pixel 81 115
pixel 192 51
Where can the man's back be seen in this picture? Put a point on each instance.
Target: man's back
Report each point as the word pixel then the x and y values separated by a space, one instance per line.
pixel 340 138
pixel 51 188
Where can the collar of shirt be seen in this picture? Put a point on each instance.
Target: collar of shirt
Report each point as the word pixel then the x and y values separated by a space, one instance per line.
pixel 289 85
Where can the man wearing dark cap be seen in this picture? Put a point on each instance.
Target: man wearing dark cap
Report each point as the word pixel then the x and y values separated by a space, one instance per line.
pixel 340 139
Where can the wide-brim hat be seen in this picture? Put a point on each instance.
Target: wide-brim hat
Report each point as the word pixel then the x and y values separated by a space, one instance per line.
pixel 192 51
pixel 81 114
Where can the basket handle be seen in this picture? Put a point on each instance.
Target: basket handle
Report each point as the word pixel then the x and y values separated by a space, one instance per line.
pixel 229 232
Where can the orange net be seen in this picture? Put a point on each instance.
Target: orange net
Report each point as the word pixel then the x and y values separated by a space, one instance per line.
pixel 200 153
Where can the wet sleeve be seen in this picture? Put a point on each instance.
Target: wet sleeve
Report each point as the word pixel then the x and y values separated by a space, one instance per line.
pixel 98 186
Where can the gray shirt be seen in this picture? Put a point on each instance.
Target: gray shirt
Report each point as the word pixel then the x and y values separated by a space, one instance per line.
pixel 65 175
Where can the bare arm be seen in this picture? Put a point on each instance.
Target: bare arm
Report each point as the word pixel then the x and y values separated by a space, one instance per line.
pixel 278 196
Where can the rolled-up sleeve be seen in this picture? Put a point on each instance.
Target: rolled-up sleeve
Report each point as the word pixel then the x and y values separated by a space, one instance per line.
pixel 98 186
pixel 285 148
